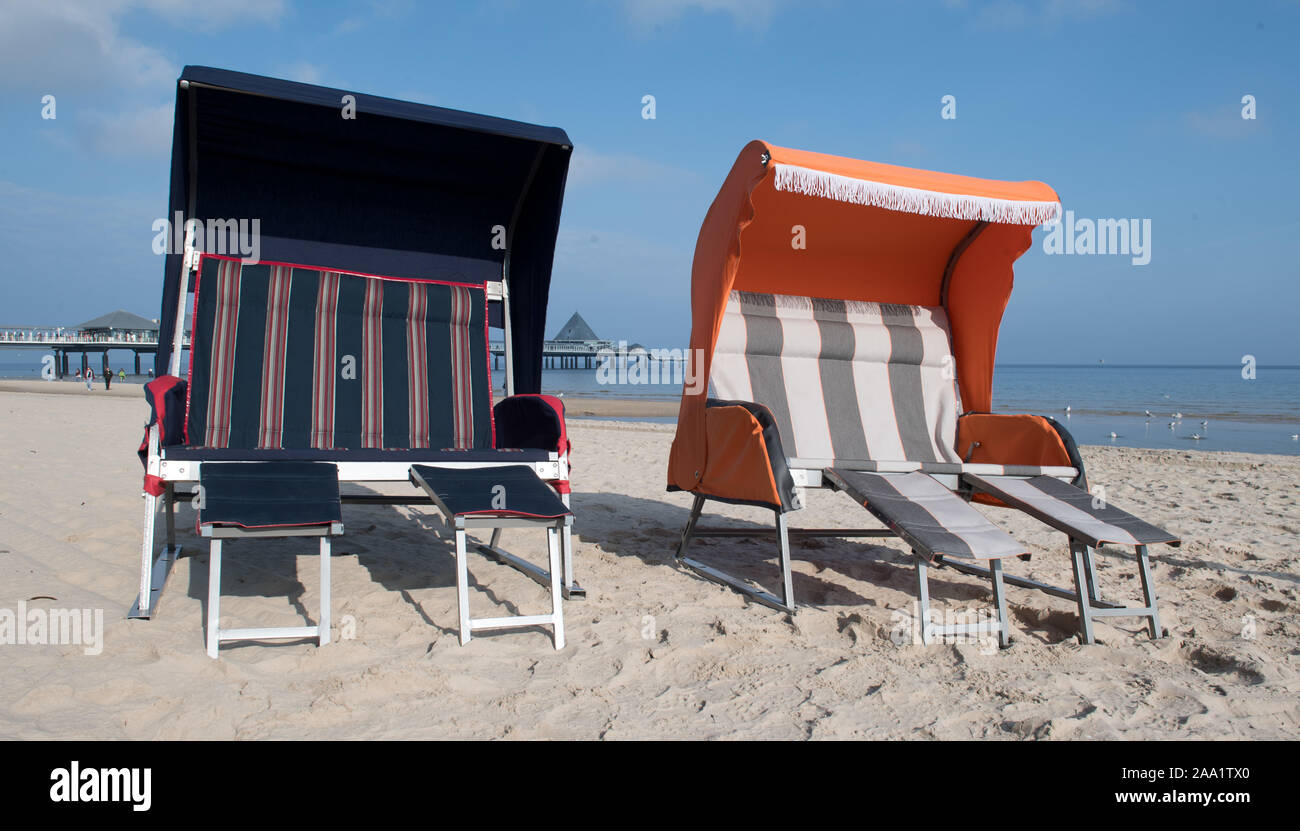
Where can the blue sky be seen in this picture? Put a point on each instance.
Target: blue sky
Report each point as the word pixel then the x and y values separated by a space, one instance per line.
pixel 1129 110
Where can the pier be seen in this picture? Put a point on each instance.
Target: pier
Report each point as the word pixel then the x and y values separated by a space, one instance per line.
pixel 116 330
pixel 575 346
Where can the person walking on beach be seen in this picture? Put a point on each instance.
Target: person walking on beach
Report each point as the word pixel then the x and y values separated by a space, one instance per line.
pixel 108 379
pixel 90 378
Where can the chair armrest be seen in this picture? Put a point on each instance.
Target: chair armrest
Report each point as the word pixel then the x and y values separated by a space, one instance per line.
pixel 1018 439
pixel 166 396
pixel 746 461
pixel 531 422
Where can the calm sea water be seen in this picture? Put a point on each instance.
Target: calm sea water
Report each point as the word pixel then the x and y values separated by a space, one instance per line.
pixel 1256 416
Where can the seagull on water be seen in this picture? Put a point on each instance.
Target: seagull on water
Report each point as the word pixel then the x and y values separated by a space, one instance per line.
pixel 1172 425
pixel 1196 436
pixel 1205 423
pixel 1178 416
pixel 1148 412
pixel 1114 435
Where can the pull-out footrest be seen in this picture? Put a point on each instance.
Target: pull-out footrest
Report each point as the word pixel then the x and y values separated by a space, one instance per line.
pixel 937 524
pixel 499 497
pixel 258 500
pixel 1088 522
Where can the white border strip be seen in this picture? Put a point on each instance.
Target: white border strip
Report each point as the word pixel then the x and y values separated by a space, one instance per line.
pixel 811 182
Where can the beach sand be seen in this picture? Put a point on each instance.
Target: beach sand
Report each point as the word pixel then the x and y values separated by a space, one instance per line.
pixel 654 652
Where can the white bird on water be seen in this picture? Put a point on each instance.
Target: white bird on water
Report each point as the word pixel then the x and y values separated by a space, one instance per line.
pixel 1172 425
pixel 1205 423
pixel 1295 437
pixel 1067 408
pixel 1148 412
pixel 1114 435
pixel 1178 416
pixel 1196 436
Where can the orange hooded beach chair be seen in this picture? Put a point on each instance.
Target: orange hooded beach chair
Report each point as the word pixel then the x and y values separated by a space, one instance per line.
pixel 846 315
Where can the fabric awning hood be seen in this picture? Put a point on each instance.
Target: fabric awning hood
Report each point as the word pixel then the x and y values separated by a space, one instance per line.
pixel 373 185
pixel 810 224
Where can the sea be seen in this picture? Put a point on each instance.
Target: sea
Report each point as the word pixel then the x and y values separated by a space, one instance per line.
pixel 1190 407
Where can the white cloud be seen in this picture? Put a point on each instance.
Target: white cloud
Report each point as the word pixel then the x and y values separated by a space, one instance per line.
pixel 54 46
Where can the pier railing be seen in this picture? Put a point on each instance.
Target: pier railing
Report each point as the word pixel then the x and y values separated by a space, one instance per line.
pixel 55 337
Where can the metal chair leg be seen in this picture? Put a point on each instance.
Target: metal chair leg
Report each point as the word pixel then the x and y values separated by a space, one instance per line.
pixel 696 507
pixel 1090 571
pixel 1000 601
pixel 323 636
pixel 1081 591
pixel 785 603
pixel 214 597
pixel 787 579
pixel 553 537
pixel 462 585
pixel 923 594
pixel 1149 592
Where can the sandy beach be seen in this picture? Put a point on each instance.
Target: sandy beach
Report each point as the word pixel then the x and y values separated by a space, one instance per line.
pixel 654 652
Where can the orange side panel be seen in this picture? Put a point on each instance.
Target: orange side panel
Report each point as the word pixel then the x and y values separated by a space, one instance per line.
pixel 1010 440
pixel 738 464
pixel 1007 439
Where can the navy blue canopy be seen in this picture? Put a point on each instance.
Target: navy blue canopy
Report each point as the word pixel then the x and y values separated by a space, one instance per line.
pixel 401 189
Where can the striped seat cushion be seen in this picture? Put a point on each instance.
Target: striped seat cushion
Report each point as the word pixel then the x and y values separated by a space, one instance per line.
pixel 927 515
pixel 294 358
pixel 845 380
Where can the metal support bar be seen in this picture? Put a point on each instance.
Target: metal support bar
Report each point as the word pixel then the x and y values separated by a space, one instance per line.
pixel 569 590
pixel 155 569
pixel 1000 601
pixel 1021 582
pixel 781 604
pixel 713 531
pixel 158 570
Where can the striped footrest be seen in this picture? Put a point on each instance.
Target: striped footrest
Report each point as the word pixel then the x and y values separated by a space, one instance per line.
pixel 926 515
pixel 1076 512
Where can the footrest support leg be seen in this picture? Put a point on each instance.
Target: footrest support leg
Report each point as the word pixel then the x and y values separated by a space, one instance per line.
pixel 1082 590
pixel 1000 601
pixel 553 545
pixel 462 586
pixel 1149 592
pixel 214 598
pixel 923 597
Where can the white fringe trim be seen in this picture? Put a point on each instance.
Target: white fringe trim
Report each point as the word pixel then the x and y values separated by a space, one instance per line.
pixel 912 200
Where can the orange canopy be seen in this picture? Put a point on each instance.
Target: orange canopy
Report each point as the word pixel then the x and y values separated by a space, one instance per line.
pixel 795 222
